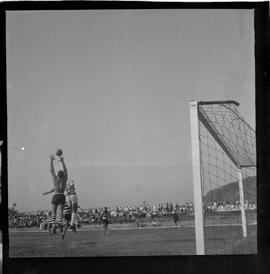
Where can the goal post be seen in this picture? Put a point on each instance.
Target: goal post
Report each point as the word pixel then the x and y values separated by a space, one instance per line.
pixel 223 160
pixel 242 203
pixel 197 184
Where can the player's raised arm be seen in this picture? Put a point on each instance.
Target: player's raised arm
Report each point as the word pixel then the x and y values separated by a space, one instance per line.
pixel 52 167
pixel 64 166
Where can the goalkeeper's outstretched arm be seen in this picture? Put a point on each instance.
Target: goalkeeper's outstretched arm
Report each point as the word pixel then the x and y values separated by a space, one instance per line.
pixel 48 192
pixel 64 166
pixel 52 167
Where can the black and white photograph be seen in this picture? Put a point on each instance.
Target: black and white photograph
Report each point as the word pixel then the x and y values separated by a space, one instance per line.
pixel 131 132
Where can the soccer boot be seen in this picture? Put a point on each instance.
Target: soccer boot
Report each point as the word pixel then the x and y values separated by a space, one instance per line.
pixel 73 228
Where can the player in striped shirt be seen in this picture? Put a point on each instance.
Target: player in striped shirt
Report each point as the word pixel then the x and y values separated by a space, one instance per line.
pixel 72 200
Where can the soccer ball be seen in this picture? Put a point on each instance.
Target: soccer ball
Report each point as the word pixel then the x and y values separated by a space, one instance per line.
pixel 59 152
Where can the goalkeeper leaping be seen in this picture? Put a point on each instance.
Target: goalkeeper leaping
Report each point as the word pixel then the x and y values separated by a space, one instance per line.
pixel 59 185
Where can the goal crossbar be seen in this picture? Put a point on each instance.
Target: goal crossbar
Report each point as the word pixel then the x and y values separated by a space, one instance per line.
pixel 218 102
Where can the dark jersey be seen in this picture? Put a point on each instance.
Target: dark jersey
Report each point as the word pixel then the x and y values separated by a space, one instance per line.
pixel 105 215
pixel 175 217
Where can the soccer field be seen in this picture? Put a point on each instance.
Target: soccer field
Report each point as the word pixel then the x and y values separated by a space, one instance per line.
pixel 123 242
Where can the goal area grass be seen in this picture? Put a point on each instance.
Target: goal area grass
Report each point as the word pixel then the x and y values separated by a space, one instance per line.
pixel 161 241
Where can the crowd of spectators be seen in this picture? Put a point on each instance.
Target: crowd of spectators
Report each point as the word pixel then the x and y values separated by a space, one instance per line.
pixel 124 214
pixel 220 206
pixel 23 220
pixel 129 214
pixel 119 214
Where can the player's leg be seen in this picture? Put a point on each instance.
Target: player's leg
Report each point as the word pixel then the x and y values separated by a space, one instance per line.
pixel 50 228
pixel 179 220
pixel 53 217
pixel 65 229
pixel 69 202
pixel 107 228
pixel 59 212
pixel 74 204
pixel 74 215
pixel 67 217
pixel 50 224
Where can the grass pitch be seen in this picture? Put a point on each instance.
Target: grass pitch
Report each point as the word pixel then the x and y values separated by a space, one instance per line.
pixel 126 242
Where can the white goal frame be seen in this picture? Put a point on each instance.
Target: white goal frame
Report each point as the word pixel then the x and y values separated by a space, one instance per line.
pixel 195 119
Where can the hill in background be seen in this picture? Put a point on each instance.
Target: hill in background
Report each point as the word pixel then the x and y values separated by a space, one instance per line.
pixel 230 192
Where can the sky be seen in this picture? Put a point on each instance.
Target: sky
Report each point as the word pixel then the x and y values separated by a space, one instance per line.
pixel 112 89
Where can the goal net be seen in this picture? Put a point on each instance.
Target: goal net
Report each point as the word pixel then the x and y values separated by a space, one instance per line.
pixel 224 179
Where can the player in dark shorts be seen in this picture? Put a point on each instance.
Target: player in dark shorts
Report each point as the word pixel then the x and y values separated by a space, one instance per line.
pixel 67 219
pixel 105 215
pixel 58 199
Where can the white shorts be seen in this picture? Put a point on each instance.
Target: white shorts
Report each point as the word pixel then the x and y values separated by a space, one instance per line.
pixel 72 199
